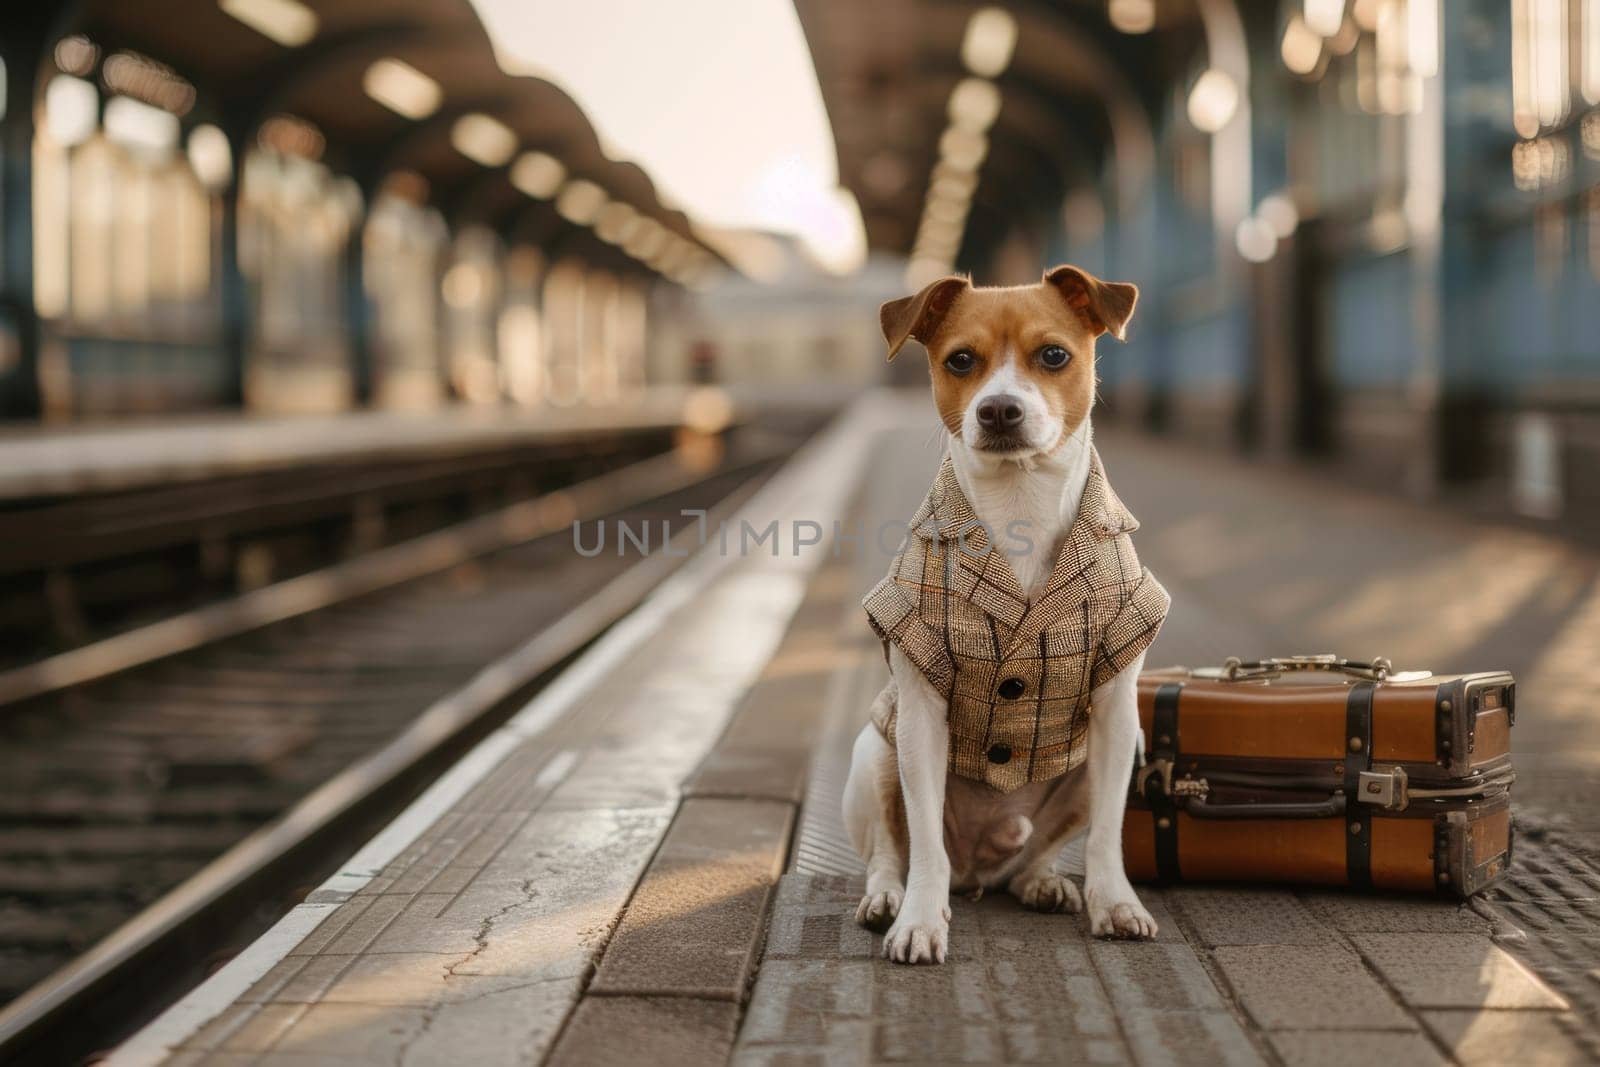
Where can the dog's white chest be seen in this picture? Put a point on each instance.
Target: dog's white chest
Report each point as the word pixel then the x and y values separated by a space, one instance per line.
pixel 1029 507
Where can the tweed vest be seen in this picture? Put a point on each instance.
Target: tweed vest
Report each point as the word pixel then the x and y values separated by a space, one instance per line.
pixel 1017 675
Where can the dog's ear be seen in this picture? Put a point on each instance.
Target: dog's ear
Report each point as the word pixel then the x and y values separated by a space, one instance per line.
pixel 918 316
pixel 1105 306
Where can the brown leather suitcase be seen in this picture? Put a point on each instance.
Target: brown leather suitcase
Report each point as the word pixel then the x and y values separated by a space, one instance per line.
pixel 1318 770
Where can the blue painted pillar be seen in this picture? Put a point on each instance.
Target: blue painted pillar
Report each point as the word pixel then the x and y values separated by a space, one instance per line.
pixel 1474 169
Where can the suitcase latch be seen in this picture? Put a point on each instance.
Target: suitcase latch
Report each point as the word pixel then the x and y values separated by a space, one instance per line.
pixel 1162 771
pixel 1384 789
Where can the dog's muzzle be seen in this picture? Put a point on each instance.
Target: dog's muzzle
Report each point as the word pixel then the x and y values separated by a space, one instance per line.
pixel 1001 425
pixel 1000 414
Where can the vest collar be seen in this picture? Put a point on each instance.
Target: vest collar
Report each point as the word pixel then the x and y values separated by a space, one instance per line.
pixel 947 516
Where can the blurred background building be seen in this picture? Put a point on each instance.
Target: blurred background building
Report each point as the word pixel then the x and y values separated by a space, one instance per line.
pixel 1366 230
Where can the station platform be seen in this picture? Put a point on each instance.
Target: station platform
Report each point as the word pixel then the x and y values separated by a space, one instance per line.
pixel 646 861
pixel 40 461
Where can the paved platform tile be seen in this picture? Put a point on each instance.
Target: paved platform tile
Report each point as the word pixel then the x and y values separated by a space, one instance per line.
pixel 1141 975
pixel 797 1002
pixel 424 979
pixel 196 1058
pixel 772 773
pixel 663 1031
pixel 1496 1038
pixel 1048 1013
pixel 1045 1040
pixel 365 926
pixel 1454 971
pixel 428 923
pixel 695 922
pixel 766 750
pixel 958 988
pixel 360 1033
pixel 1010 932
pixel 297 980
pixel 220 1027
pixel 1341 1048
pixel 500 1025
pixel 604 779
pixel 549 901
pixel 260 1029
pixel 482 1021
pixel 813 917
pixel 1291 987
pixel 937 1038
pixel 1250 917
pixel 1166 1038
pixel 1041 986
pixel 489 834
pixel 841 1042
pixel 1160 907
pixel 1364 913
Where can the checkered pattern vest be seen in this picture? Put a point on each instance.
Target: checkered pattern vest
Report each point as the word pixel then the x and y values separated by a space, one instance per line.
pixel 1017 675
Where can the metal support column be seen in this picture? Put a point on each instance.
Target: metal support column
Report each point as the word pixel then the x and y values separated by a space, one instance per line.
pixel 357 311
pixel 22 38
pixel 235 293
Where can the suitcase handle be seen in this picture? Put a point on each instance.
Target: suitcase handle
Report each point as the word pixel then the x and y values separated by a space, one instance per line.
pixel 1201 807
pixel 1193 795
pixel 1235 669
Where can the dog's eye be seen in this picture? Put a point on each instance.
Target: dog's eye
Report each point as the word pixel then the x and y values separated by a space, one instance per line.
pixel 1054 357
pixel 960 362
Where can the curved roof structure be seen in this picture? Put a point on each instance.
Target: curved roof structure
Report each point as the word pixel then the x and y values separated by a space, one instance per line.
pixel 1077 97
pixel 243 77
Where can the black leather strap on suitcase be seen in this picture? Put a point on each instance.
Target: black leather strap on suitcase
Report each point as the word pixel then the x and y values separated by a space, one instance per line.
pixel 1163 809
pixel 1358 758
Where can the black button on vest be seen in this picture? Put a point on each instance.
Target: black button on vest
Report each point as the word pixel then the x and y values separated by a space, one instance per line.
pixel 999 753
pixel 1011 689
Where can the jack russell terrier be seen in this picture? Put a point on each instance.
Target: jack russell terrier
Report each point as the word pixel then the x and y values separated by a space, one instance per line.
pixel 1015 621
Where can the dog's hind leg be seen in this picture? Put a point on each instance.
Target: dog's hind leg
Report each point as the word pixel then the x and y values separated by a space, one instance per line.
pixel 1059 819
pixel 874 815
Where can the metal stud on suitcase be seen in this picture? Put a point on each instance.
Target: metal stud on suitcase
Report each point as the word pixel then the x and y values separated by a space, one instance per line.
pixel 1314 769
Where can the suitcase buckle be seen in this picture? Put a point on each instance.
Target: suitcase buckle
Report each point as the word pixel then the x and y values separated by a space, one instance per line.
pixel 1162 770
pixel 1384 789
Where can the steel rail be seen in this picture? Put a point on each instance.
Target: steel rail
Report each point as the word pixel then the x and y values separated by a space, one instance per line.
pixel 186 922
pixel 321 588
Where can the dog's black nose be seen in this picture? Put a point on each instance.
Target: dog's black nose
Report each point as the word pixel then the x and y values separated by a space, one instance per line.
pixel 1002 412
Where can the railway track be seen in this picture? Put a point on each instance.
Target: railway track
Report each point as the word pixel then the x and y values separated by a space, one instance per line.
pixel 77 567
pixel 115 790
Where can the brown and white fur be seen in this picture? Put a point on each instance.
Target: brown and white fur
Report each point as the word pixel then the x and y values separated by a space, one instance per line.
pixel 921 831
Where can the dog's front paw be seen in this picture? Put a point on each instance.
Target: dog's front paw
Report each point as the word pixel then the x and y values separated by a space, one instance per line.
pixel 1116 912
pixel 1049 892
pixel 918 936
pixel 877 910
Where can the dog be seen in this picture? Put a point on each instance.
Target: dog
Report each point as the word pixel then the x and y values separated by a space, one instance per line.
pixel 1034 614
